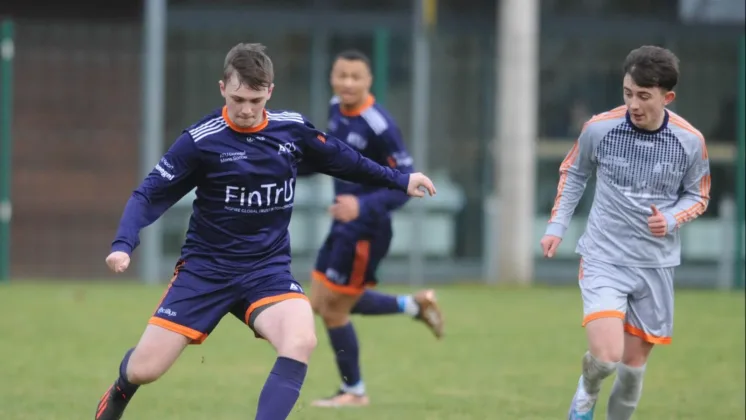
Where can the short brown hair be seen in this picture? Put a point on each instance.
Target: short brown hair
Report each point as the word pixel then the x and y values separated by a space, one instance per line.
pixel 252 66
pixel 650 66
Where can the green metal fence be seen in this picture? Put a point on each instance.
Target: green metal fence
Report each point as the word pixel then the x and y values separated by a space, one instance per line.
pixel 7 50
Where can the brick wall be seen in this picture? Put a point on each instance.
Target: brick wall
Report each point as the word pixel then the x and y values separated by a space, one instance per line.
pixel 76 132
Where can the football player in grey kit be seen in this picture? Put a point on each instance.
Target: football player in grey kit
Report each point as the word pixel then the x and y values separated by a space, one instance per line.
pixel 653 176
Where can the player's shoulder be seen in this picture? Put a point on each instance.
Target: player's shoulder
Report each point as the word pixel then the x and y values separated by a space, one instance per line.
pixel 378 118
pixel 285 117
pixel 210 125
pixel 683 130
pixel 601 124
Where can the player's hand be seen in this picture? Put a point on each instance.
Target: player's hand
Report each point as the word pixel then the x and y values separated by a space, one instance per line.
pixel 657 223
pixel 118 261
pixel 549 244
pixel 417 181
pixel 346 208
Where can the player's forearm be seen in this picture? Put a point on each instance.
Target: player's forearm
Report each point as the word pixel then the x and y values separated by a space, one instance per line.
pixel 139 213
pixel 341 161
pixel 569 193
pixel 686 209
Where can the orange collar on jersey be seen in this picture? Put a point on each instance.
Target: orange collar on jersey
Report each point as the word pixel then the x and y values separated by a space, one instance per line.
pixel 369 101
pixel 245 130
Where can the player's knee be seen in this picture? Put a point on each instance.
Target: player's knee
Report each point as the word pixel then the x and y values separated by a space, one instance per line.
pixel 635 359
pixel 144 369
pixel 299 346
pixel 609 354
pixel 333 317
pixel 333 309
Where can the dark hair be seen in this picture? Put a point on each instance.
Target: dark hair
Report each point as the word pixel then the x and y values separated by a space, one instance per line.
pixel 354 55
pixel 651 66
pixel 251 64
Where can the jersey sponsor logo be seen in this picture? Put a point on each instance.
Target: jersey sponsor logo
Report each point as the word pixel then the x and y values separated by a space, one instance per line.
pixel 164 173
pixel 166 311
pixel 288 148
pixel 232 157
pixel 270 197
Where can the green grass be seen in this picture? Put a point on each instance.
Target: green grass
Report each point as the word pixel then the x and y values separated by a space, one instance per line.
pixel 508 354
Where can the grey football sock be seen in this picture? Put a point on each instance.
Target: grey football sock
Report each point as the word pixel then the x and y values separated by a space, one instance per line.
pixel 626 393
pixel 594 372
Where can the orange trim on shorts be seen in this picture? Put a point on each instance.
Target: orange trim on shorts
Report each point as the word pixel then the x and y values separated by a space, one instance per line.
pixel 269 300
pixel 602 314
pixel 652 339
pixel 334 287
pixel 170 283
pixel 360 264
pixel 196 336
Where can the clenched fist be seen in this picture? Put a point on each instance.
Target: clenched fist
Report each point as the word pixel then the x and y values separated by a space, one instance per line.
pixel 118 261
pixel 657 223
pixel 549 244
pixel 417 181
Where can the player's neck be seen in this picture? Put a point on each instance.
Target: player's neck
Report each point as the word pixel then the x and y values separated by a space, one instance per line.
pixel 659 123
pixel 359 106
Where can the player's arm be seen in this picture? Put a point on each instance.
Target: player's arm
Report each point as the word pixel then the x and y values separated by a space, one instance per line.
pixel 695 191
pixel 574 173
pixel 331 156
pixel 384 201
pixel 306 168
pixel 171 179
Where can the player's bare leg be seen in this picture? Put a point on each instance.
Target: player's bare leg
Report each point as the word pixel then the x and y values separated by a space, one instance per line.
pixel 627 389
pixel 154 354
pixel 334 309
pixel 422 306
pixel 289 326
pixel 605 350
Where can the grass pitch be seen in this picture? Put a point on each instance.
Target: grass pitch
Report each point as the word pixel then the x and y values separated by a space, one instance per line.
pixel 508 354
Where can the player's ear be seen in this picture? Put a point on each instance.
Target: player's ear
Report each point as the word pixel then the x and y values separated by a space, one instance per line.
pixel 669 96
pixel 222 88
pixel 269 90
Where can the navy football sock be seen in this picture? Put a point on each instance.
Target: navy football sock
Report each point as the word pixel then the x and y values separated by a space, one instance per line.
pixel 347 352
pixel 125 388
pixel 281 390
pixel 377 303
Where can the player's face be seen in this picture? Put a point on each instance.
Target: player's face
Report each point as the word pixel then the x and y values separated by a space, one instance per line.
pixel 245 105
pixel 351 80
pixel 646 105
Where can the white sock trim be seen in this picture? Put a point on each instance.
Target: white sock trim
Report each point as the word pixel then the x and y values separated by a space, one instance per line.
pixel 357 389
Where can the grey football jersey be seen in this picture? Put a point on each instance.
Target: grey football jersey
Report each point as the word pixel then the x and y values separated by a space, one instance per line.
pixel 635 169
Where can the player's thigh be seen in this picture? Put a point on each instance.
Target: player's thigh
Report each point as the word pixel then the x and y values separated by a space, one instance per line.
pixel 349 268
pixel 154 354
pixel 604 290
pixel 276 309
pixel 651 313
